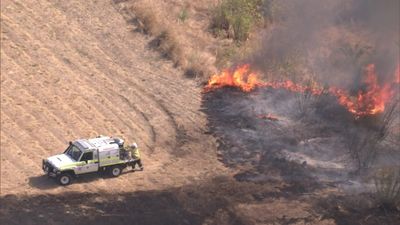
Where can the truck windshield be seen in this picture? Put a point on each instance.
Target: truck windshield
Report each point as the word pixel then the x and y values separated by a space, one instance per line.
pixel 74 152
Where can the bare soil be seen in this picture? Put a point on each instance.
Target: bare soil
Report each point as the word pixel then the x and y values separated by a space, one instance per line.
pixel 77 69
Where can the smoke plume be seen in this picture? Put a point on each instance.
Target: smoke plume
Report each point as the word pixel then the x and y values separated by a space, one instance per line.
pixel 331 41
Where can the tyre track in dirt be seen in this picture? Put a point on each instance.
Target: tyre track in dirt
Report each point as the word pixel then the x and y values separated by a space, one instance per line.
pixel 24 98
pixel 71 86
pixel 46 104
pixel 35 137
pixel 123 55
pixel 16 157
pixel 39 95
pixel 7 142
pixel 39 170
pixel 99 72
pixel 25 120
pixel 97 106
pixel 80 119
pixel 61 59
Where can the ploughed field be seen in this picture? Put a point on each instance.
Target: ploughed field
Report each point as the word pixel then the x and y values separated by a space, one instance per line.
pixel 78 69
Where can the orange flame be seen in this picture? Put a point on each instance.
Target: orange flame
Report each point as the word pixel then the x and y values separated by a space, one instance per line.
pixel 369 101
pixel 241 78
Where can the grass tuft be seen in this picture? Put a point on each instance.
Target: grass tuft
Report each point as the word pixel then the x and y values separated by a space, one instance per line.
pixel 235 18
pixel 387 184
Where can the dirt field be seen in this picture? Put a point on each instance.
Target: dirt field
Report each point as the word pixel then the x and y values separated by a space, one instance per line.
pixel 73 69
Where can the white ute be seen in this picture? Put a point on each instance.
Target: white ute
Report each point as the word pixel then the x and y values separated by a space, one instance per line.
pixel 100 154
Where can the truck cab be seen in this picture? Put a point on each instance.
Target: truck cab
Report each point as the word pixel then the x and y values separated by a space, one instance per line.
pixel 84 156
pixel 81 160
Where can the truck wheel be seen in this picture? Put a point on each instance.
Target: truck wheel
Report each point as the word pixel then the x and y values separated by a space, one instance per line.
pixel 64 179
pixel 116 171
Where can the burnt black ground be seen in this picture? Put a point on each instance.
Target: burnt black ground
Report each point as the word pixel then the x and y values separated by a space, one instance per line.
pixel 316 126
pixel 245 137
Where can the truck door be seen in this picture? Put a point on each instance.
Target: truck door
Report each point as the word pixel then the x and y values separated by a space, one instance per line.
pixel 89 163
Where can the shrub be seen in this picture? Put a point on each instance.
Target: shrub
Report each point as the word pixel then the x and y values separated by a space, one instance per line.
pixel 169 45
pixel 363 143
pixel 306 99
pixel 166 38
pixel 147 20
pixel 197 67
pixel 363 147
pixel 236 17
pixel 183 15
pixel 171 40
pixel 357 53
pixel 387 184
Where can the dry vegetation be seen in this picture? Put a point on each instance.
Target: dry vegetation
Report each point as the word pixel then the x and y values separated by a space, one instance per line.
pixel 198 36
pixel 235 18
pixel 203 36
pixel 364 143
pixel 180 32
pixel 44 88
pixel 387 183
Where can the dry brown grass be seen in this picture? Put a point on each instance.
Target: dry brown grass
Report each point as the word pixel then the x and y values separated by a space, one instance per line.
pixel 182 32
pixel 148 20
pixel 167 41
pixel 170 47
pixel 187 41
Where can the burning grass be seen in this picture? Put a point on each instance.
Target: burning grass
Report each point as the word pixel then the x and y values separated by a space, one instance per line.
pixel 308 153
pixel 257 117
pixel 369 101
